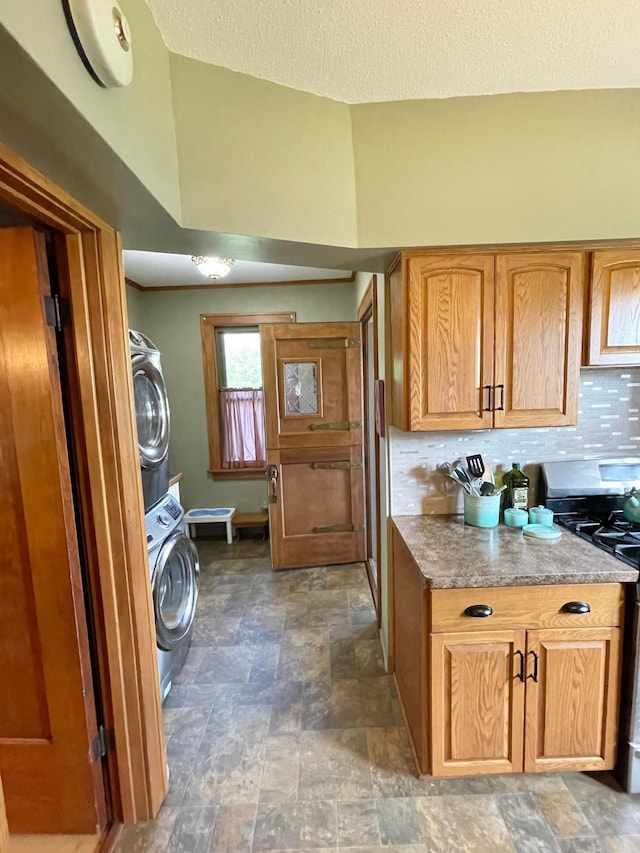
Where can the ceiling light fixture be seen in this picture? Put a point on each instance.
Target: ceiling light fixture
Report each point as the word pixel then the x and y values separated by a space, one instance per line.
pixel 213 267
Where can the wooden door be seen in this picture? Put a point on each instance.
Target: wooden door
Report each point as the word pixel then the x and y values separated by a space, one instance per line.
pixel 477 702
pixel 313 413
pixel 614 309
pixel 47 712
pixel 539 303
pixel 572 699
pixel 450 347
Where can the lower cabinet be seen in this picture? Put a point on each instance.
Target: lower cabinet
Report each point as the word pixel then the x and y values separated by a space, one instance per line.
pixel 507 679
pixel 508 701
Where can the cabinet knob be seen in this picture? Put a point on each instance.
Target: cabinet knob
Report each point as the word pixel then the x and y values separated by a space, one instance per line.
pixel 478 610
pixel 575 607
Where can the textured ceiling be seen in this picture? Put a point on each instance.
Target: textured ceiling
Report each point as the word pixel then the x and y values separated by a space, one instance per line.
pixel 361 51
pixel 160 269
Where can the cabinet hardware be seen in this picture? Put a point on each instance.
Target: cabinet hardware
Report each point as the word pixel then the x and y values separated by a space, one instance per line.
pixel 57 312
pixel 575 607
pixel 521 674
pixel 346 465
pixel 102 744
pixel 334 343
pixel 489 390
pixel 536 660
pixel 272 476
pixel 341 425
pixel 339 528
pixel 500 408
pixel 478 610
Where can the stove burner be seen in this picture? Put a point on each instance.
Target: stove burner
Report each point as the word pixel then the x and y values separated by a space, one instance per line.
pixel 608 529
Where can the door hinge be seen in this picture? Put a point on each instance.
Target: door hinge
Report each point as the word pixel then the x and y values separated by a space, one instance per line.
pixel 339 528
pixel 334 343
pixel 102 744
pixel 342 466
pixel 57 311
pixel 339 425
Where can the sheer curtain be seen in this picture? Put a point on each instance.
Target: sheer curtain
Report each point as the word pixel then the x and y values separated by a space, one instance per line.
pixel 242 427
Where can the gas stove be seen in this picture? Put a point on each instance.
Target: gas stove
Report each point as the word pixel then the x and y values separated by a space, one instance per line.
pixel 587 497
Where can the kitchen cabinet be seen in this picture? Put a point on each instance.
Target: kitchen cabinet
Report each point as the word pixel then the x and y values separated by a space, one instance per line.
pixel 531 686
pixel 484 340
pixel 614 308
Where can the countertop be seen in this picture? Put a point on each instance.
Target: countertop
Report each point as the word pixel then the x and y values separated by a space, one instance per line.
pixel 451 554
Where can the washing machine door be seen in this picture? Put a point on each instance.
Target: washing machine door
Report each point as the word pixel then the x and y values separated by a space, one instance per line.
pixel 152 411
pixel 175 590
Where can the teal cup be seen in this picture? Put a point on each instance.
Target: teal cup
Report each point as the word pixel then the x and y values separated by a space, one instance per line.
pixel 514 517
pixel 541 515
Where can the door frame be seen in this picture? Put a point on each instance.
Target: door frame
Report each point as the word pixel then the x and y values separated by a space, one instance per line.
pixel 368 310
pixel 103 434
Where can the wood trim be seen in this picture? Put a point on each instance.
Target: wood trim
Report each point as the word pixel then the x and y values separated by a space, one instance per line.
pixel 499 248
pixel 176 479
pixel 4 829
pixel 237 284
pixel 208 325
pixel 103 430
pixel 366 303
pixel 133 284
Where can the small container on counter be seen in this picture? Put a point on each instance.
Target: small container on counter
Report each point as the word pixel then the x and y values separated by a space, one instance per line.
pixel 541 515
pixel 514 517
pixel 481 510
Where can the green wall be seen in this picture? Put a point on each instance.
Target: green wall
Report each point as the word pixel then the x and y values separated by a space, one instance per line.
pixel 507 168
pixel 135 309
pixel 258 158
pixel 172 321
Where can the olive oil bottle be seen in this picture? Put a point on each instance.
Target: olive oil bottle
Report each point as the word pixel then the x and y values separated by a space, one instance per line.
pixel 517 488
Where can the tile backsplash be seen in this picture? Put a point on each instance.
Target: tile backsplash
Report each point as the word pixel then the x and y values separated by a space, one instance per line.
pixel 608 425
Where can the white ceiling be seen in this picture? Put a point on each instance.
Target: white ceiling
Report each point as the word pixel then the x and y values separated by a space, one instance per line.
pixel 158 269
pixel 361 51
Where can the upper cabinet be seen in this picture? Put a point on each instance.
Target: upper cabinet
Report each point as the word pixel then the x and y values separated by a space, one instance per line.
pixel 481 341
pixel 614 308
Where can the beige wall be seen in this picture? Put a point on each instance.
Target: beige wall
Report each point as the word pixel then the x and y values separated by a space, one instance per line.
pixel 172 321
pixel 506 168
pixel 137 120
pixel 258 158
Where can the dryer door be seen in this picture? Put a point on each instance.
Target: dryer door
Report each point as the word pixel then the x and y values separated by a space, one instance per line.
pixel 152 411
pixel 175 590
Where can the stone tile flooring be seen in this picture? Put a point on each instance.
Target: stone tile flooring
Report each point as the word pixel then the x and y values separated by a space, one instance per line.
pixel 285 733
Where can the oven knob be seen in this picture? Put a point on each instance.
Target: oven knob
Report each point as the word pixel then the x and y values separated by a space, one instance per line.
pixel 163 519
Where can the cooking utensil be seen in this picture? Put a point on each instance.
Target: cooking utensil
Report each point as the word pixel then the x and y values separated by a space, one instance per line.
pixel 475 465
pixel 465 480
pixel 488 475
pixel 487 489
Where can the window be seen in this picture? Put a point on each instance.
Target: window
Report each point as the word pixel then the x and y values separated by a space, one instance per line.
pixel 233 391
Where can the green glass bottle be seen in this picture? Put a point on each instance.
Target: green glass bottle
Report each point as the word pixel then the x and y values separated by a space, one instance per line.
pixel 517 488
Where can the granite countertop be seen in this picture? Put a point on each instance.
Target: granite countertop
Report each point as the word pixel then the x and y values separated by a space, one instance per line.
pixel 451 554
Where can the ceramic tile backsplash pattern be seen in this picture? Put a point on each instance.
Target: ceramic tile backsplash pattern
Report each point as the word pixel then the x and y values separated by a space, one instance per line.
pixel 608 424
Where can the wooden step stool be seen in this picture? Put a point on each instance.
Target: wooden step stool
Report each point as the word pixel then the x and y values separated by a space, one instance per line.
pixel 259 520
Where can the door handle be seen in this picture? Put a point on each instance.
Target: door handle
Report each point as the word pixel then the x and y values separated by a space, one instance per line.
pixel 489 390
pixel 536 660
pixel 500 408
pixel 272 477
pixel 575 607
pixel 521 674
pixel 478 611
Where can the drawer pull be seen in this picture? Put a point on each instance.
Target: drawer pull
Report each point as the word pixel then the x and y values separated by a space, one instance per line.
pixel 478 610
pixel 536 661
pixel 575 607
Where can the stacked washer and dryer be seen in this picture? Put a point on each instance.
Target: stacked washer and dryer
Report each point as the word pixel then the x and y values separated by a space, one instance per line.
pixel 174 568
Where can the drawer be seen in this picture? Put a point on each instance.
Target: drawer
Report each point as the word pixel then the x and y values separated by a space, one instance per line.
pixel 527 607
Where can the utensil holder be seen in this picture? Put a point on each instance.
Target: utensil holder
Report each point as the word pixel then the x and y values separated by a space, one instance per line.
pixel 481 511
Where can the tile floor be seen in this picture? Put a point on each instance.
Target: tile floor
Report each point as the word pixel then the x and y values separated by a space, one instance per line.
pixel 285 733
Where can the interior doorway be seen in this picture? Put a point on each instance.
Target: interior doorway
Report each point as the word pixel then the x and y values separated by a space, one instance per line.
pixel 368 318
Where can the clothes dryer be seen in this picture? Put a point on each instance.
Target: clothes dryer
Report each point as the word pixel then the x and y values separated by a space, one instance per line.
pixel 152 417
pixel 174 570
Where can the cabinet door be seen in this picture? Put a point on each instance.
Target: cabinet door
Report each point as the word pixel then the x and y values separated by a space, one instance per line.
pixel 614 311
pixel 572 704
pixel 477 700
pixel 539 304
pixel 450 341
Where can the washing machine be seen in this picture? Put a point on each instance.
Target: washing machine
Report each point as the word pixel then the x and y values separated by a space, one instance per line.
pixel 152 417
pixel 174 570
